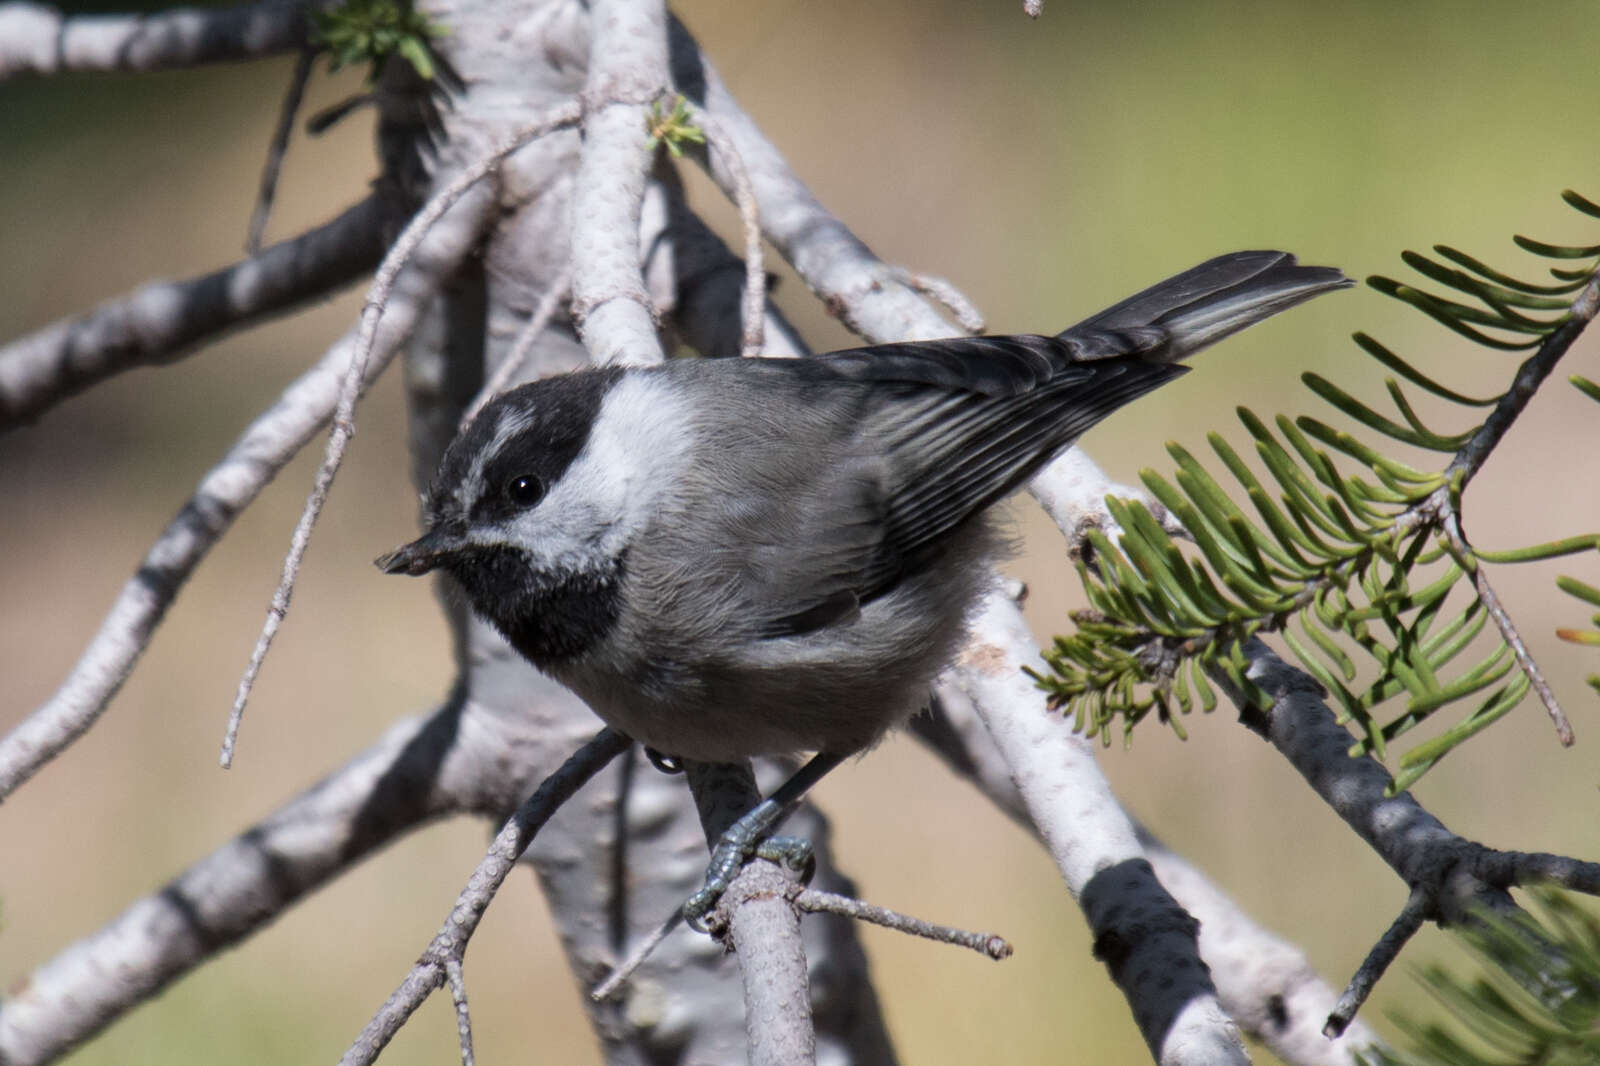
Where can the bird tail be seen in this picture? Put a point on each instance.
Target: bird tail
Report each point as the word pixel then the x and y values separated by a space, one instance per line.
pixel 1175 318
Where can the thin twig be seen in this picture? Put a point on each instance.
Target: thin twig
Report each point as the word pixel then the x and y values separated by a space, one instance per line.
pixel 753 313
pixel 260 453
pixel 1450 522
pixel 947 296
pixel 537 323
pixel 869 296
pixel 1404 927
pixel 636 958
pixel 322 121
pixel 458 996
pixel 278 149
pixel 815 901
pixel 1470 459
pixel 400 253
pixel 450 943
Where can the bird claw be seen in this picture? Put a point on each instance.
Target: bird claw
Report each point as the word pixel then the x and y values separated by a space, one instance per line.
pixel 746 839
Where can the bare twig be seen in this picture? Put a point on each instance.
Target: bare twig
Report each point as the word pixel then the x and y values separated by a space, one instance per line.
pixel 278 149
pixel 163 320
pixel 952 299
pixel 708 282
pixel 39 39
pixel 261 452
pixel 869 296
pixel 405 246
pixel 537 323
pixel 755 284
pixel 625 969
pixel 1450 522
pixel 458 996
pixel 456 932
pixel 1384 952
pixel 627 71
pixel 817 902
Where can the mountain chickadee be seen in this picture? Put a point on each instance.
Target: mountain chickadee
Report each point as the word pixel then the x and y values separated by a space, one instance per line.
pixel 738 557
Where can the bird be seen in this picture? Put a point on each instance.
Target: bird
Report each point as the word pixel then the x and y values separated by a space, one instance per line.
pixel 728 558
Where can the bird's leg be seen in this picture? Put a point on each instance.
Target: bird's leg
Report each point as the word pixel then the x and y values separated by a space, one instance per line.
pixel 748 836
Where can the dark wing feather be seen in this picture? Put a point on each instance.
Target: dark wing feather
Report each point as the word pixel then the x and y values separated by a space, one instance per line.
pixel 968 452
pixel 1173 319
pixel 949 427
pixel 993 366
pixel 944 431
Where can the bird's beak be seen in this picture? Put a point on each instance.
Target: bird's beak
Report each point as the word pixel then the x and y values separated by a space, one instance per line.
pixel 427 552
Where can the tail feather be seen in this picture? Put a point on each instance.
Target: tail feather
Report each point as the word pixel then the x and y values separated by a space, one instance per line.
pixel 1175 318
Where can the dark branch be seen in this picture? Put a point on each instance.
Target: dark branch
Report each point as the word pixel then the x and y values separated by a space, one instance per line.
pixel 1415 844
pixel 277 150
pixel 164 320
pixel 1384 952
pixel 1530 375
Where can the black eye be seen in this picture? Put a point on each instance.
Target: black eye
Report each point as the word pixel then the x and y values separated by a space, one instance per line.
pixel 524 490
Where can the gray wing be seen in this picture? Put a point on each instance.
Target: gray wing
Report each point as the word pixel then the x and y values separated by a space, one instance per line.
pixel 949 427
pixel 943 431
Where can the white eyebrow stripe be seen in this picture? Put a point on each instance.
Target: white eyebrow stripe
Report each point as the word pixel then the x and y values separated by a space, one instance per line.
pixel 510 422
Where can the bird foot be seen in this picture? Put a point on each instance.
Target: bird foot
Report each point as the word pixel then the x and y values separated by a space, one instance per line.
pixel 746 839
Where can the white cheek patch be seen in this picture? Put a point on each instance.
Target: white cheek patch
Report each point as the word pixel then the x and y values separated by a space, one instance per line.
pixel 635 450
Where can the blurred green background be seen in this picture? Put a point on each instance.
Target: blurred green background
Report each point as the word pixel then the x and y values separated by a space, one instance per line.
pixel 1047 168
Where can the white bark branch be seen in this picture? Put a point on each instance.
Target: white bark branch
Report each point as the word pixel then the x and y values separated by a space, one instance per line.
pixel 260 453
pixel 1263 981
pixel 164 320
pixel 752 337
pixel 1141 933
pixel 627 71
pixel 39 39
pixel 242 886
